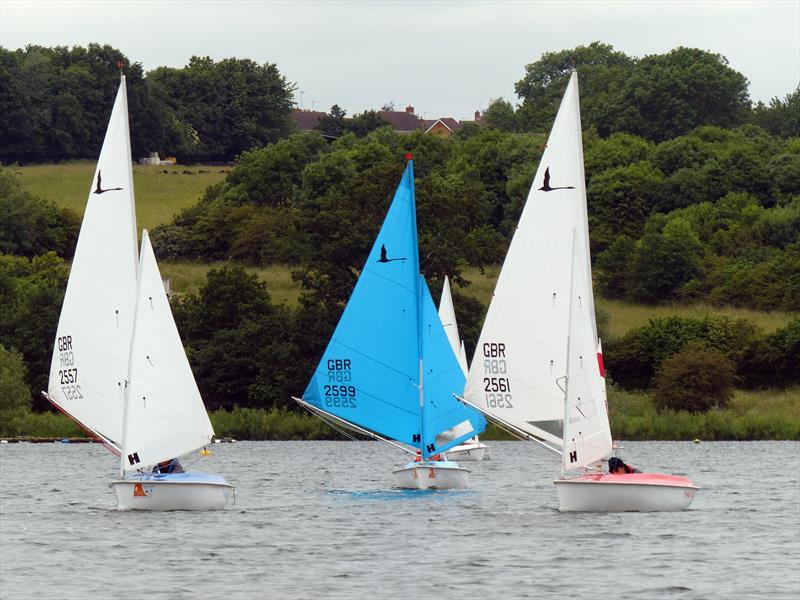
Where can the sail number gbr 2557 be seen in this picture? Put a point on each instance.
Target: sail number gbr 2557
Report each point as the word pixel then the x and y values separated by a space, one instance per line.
pixel 68 374
pixel 337 392
pixel 496 387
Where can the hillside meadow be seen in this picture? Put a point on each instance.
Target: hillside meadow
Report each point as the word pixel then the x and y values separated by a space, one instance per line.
pixel 161 191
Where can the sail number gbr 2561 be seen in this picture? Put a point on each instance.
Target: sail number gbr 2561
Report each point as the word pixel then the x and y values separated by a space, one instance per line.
pixel 337 393
pixel 496 387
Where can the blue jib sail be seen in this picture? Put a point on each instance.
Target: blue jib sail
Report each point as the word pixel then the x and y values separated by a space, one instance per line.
pixel 369 374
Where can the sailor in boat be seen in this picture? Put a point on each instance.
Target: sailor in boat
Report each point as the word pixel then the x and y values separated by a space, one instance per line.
pixel 617 467
pixel 168 466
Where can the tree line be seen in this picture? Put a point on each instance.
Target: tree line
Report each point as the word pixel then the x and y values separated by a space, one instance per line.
pixel 55 102
pixel 711 213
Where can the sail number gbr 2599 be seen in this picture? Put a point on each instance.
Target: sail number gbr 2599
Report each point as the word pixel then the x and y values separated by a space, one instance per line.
pixel 496 387
pixel 337 392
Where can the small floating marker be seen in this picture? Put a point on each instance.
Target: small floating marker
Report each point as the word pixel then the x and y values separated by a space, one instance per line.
pixel 205 452
pixel 696 440
pixel 408 156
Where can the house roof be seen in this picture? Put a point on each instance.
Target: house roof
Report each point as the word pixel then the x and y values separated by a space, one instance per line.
pixel 400 121
pixel 307 120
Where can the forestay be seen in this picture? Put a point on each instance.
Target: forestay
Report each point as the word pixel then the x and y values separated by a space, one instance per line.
pixel 165 415
pixel 521 352
pixel 90 357
pixel 370 372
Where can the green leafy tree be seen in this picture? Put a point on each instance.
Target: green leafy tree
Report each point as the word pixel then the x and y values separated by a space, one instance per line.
pixel 667 95
pixel 31 225
pixel 696 379
pixel 602 73
pixel 780 117
pixel 237 340
pixel 500 115
pixel 332 124
pixel 226 107
pixel 620 200
pixel 366 122
pixel 666 258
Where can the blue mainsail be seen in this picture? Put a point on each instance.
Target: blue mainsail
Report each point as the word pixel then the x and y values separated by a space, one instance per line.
pixel 369 374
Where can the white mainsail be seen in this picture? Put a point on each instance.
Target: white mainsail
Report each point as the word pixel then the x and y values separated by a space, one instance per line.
pixel 447 314
pixel 165 416
pixel 587 434
pixel 90 356
pixel 520 359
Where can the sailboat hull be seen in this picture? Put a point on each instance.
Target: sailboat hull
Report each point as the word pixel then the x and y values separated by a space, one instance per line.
pixel 178 491
pixel 432 475
pixel 632 492
pixel 469 452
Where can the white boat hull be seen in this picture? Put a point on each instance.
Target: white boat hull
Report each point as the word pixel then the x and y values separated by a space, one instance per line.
pixel 632 492
pixel 180 491
pixel 432 475
pixel 469 452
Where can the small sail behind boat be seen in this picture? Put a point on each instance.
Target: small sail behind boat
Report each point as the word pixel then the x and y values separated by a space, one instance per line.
pixel 448 422
pixel 587 434
pixel 369 373
pixel 447 313
pixel 90 357
pixel 165 415
pixel 521 352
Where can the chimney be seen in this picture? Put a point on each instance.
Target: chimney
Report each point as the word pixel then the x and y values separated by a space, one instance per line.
pixel 477 115
pixel 410 109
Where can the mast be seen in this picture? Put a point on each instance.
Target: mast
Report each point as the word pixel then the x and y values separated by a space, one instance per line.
pixel 126 392
pixel 418 291
pixel 569 341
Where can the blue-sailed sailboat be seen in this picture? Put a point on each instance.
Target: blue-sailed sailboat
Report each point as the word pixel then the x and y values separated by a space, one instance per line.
pixel 389 370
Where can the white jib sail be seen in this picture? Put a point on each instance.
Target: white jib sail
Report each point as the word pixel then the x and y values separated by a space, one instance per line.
pixel 521 352
pixel 447 314
pixel 90 356
pixel 587 434
pixel 165 415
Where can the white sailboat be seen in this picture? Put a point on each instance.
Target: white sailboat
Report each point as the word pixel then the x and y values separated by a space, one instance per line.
pixel 473 449
pixel 538 364
pixel 118 367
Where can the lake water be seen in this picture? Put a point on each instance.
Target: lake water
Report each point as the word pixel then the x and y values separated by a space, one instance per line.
pixel 320 520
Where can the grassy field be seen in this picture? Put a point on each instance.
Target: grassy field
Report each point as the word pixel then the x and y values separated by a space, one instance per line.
pixel 159 195
pixel 624 316
pixel 772 414
pixel 188 278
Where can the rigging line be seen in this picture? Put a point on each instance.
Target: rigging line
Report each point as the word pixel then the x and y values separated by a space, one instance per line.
pixel 508 427
pixel 320 412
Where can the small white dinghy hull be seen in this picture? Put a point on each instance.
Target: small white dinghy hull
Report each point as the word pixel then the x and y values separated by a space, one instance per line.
pixel 432 475
pixel 630 492
pixel 468 452
pixel 176 491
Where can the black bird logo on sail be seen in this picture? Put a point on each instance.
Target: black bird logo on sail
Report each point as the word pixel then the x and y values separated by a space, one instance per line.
pixel 384 258
pixel 100 190
pixel 546 187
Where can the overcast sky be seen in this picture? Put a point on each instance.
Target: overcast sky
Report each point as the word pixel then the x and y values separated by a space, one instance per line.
pixel 444 58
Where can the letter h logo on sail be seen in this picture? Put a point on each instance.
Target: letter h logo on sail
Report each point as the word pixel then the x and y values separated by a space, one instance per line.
pixel 133 458
pixel 416 438
pixel 573 456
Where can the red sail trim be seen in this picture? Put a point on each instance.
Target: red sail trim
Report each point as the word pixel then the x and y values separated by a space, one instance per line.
pixel 600 365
